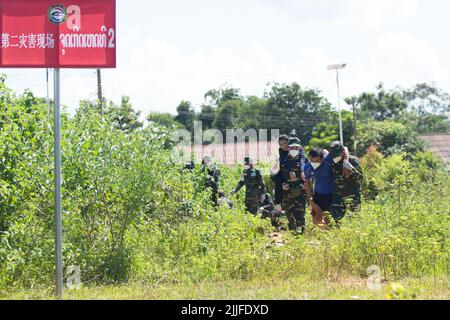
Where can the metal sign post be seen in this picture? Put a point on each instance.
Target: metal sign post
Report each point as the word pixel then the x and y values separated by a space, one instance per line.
pixel 341 129
pixel 71 34
pixel 58 184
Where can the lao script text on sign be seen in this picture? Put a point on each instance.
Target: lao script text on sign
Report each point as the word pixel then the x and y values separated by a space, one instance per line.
pixel 68 34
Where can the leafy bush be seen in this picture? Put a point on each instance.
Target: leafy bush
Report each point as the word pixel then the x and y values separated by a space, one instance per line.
pixel 389 137
pixel 130 214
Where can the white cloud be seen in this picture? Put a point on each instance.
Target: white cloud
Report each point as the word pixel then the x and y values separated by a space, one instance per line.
pixel 362 13
pixel 160 67
pixel 158 75
pixel 373 14
pixel 407 59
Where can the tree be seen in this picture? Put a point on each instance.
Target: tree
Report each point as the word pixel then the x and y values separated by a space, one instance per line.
pixel 379 106
pixel 124 117
pixel 216 97
pixel 389 137
pixel 87 107
pixel 249 115
pixel 186 115
pixel 163 119
pixel 207 116
pixel 427 99
pixel 326 132
pixel 227 114
pixel 215 112
pixel 292 107
pixel 429 108
pixel 424 108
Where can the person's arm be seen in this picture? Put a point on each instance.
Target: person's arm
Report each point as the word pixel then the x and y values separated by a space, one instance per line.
pixel 303 163
pixel 357 174
pixel 262 186
pixel 239 186
pixel 309 189
pixel 216 180
pixel 261 181
pixel 353 166
pixel 217 176
pixel 308 184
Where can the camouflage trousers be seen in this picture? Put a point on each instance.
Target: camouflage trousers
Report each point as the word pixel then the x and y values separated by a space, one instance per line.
pixel 342 205
pixel 295 210
pixel 252 203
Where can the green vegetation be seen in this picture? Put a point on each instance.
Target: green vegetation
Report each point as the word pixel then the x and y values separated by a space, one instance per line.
pixel 294 288
pixel 390 119
pixel 138 226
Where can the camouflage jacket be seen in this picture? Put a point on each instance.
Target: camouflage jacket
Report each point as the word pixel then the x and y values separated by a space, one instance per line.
pixel 297 186
pixel 212 176
pixel 252 179
pixel 350 185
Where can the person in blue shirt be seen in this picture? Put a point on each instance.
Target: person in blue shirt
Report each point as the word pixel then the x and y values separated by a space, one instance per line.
pixel 319 184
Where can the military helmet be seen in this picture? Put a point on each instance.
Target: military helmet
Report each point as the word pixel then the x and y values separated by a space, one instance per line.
pixel 207 160
pixel 190 165
pixel 248 161
pixel 295 142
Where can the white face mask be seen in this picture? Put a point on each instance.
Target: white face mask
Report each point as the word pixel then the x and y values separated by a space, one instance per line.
pixel 316 165
pixel 337 160
pixel 246 167
pixel 294 153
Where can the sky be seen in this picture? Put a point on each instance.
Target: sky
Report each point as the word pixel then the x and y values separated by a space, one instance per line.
pixel 175 50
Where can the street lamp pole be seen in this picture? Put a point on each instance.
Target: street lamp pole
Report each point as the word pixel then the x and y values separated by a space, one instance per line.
pixel 338 68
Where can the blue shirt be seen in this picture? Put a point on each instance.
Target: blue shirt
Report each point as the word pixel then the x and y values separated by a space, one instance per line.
pixel 322 176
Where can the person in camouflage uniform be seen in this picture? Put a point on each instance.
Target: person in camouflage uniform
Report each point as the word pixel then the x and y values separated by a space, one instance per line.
pixel 276 174
pixel 348 176
pixel 294 193
pixel 252 179
pixel 212 176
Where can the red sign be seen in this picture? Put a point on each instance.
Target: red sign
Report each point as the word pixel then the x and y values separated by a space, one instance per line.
pixel 58 33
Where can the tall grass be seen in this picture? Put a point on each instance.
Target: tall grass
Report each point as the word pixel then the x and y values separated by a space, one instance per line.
pixel 130 214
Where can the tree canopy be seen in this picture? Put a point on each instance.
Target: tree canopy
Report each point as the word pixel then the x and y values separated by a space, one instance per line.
pixel 389 119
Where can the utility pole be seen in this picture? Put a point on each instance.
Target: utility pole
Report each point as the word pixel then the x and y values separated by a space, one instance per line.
pixel 355 129
pixel 338 68
pixel 100 91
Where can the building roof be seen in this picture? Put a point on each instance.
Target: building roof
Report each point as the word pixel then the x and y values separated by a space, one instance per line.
pixel 439 144
pixel 234 153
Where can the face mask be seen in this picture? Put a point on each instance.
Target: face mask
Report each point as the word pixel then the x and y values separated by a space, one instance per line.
pixel 337 160
pixel 294 153
pixel 316 165
pixel 246 167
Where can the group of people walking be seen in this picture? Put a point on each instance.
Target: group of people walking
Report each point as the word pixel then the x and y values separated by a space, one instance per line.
pixel 328 181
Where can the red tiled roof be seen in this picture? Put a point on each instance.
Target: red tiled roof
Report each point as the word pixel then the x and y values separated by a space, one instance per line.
pixel 232 154
pixel 439 144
